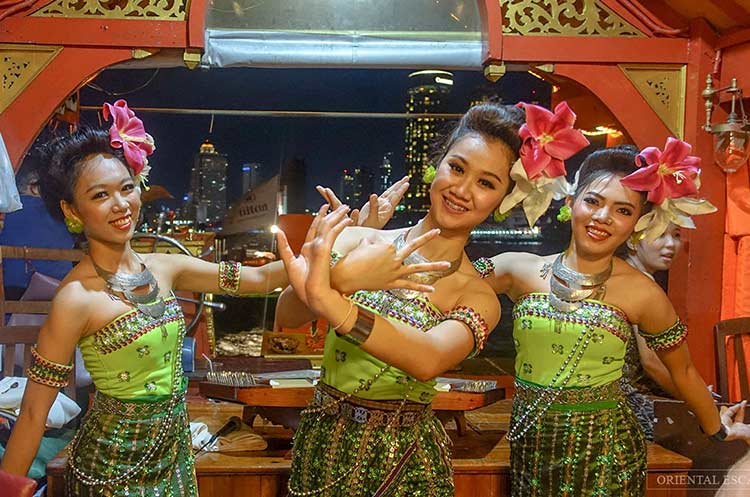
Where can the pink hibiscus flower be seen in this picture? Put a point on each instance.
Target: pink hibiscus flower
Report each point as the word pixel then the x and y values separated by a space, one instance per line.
pixel 127 132
pixel 669 174
pixel 548 140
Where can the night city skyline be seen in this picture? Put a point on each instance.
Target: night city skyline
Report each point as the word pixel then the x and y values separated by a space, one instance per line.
pixel 327 145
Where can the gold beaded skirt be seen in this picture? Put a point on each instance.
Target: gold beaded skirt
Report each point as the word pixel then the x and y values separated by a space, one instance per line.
pixel 349 447
pixel 587 442
pixel 132 449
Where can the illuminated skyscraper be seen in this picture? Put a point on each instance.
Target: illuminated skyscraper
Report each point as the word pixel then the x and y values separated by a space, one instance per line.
pixel 250 175
pixel 292 184
pixel 425 95
pixel 355 186
pixel 346 186
pixel 385 174
pixel 207 199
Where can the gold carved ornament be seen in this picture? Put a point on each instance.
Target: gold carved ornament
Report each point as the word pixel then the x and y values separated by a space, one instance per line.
pixel 19 66
pixel 563 17
pixel 662 86
pixel 156 10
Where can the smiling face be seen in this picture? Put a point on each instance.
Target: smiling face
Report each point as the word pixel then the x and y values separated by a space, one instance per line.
pixel 603 216
pixel 470 182
pixel 659 254
pixel 105 199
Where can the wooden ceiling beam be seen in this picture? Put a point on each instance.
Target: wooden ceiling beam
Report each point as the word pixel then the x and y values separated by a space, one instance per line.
pixel 734 38
pixel 734 10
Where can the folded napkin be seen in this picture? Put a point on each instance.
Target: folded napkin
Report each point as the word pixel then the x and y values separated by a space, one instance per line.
pixel 242 440
pixel 62 411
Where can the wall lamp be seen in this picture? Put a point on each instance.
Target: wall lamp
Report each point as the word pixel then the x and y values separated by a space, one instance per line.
pixel 731 137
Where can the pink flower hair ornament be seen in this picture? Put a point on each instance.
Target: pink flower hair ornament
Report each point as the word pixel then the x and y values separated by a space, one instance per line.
pixel 549 139
pixel 671 178
pixel 127 132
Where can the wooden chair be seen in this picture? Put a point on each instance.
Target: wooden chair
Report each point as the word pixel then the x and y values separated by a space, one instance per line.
pixel 26 336
pixel 734 328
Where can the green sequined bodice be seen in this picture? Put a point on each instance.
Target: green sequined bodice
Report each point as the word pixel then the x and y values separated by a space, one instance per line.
pixel 134 356
pixel 544 338
pixel 347 367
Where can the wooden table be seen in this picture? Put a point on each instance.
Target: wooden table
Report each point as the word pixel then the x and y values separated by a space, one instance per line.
pixel 283 405
pixel 481 461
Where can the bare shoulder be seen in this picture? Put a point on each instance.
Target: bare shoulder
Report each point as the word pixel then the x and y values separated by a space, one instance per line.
pixel 158 262
pixel 642 299
pixel 519 262
pixel 480 296
pixel 519 273
pixel 72 299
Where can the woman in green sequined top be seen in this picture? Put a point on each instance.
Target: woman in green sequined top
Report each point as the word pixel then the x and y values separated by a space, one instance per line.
pixel 572 433
pixel 370 430
pixel 136 434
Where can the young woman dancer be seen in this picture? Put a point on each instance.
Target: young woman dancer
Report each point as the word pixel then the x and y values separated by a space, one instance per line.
pixel 370 430
pixel 572 433
pixel 119 308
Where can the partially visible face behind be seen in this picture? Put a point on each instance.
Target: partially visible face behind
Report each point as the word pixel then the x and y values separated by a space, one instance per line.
pixel 106 200
pixel 659 254
pixel 470 182
pixel 603 216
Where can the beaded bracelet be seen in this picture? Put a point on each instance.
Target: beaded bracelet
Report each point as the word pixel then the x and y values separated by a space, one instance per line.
pixel 46 372
pixel 229 277
pixel 476 324
pixel 485 267
pixel 667 339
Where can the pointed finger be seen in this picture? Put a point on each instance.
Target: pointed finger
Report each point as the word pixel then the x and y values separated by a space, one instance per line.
pixel 285 250
pixel 332 219
pixel 335 202
pixel 323 193
pixel 396 186
pixel 334 232
pixel 354 215
pixel 395 196
pixel 372 216
pixel 312 231
pixel 416 243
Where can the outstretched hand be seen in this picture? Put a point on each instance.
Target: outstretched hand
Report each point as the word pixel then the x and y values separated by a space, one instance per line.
pixel 355 271
pixel 378 210
pixel 322 233
pixel 733 417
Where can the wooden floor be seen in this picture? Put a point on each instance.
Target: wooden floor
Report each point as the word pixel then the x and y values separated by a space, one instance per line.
pixel 480 458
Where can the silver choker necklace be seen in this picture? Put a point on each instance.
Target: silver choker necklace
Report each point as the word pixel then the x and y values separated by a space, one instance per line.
pixel 424 278
pixel 568 288
pixel 148 303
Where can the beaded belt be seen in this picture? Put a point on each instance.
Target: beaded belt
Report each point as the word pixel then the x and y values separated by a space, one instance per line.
pixel 109 405
pixel 609 394
pixel 371 412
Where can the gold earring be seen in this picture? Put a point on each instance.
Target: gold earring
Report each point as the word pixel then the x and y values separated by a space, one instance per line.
pixel 74 225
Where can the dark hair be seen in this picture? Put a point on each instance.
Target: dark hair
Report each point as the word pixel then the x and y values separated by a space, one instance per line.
pixel 490 120
pixel 61 163
pixel 614 161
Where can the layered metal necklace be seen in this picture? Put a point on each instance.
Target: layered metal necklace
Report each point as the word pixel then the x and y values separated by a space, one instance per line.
pixel 568 288
pixel 149 303
pixel 423 278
